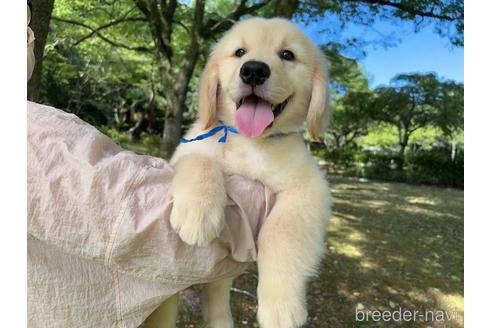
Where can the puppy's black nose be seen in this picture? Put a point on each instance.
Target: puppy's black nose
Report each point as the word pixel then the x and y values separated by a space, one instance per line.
pixel 254 72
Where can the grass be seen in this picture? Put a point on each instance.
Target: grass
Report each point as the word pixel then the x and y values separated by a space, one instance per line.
pixel 388 246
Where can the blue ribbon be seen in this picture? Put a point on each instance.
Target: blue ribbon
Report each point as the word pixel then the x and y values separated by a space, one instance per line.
pixel 213 132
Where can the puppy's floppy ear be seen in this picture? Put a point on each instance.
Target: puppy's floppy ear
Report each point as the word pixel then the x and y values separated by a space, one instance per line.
pixel 317 116
pixel 207 96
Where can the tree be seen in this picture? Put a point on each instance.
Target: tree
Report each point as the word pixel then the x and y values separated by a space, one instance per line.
pixel 415 101
pixel 351 118
pixel 350 97
pixel 41 16
pixel 451 101
pixel 170 40
pixel 99 65
pixel 180 35
pixel 450 118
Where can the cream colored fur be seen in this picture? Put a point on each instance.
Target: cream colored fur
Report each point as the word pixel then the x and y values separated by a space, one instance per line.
pixel 291 241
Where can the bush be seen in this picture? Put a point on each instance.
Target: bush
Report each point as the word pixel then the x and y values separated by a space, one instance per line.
pixel 152 143
pixel 434 166
pixel 117 136
pixel 344 156
pixel 381 166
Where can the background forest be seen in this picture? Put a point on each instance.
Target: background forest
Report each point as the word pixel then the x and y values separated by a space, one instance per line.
pixel 131 68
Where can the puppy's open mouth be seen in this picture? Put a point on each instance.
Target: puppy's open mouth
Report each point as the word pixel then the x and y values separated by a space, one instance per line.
pixel 254 115
pixel 277 110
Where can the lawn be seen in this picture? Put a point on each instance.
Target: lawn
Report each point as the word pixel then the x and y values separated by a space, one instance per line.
pixel 389 246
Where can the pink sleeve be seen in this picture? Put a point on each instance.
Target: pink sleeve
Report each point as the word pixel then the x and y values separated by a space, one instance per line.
pixel 108 210
pixel 88 195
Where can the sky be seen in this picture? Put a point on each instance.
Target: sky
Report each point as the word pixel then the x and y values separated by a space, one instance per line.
pixel 424 51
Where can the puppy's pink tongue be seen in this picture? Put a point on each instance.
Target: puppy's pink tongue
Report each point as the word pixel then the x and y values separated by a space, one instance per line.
pixel 253 116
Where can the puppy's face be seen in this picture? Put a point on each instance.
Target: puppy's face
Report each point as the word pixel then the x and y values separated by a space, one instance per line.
pixel 265 76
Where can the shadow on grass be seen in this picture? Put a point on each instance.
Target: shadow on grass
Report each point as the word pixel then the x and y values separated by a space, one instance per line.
pixel 389 246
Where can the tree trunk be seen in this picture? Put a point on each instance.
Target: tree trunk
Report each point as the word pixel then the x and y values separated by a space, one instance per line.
pixel 176 105
pixel 171 133
pixel 403 146
pixel 337 142
pixel 40 23
pixel 453 145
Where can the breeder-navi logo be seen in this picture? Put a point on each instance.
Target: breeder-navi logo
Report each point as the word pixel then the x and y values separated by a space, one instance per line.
pixel 399 315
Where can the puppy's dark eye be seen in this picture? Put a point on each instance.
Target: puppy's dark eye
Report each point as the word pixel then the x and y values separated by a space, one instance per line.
pixel 240 52
pixel 287 55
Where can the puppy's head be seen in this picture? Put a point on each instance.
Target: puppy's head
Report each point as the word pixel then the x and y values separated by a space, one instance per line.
pixel 265 76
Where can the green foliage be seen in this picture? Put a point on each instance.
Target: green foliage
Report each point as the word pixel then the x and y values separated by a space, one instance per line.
pixel 105 62
pixel 409 103
pixel 382 136
pixel 152 144
pixel 350 118
pixel 117 136
pixel 434 166
pixel 450 118
pixel 415 101
pixel 100 52
pixel 373 128
pixel 350 96
pixel 95 79
pixel 345 73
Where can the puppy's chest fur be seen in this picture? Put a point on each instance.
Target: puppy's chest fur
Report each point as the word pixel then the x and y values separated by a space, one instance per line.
pixel 280 163
pixel 272 162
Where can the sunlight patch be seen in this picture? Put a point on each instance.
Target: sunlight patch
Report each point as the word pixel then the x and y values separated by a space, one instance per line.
pixel 350 250
pixel 420 200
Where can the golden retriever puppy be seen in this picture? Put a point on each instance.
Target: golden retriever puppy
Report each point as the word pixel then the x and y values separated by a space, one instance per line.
pixel 265 78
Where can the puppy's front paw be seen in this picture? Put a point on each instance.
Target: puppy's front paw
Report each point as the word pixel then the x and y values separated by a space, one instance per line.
pixel 281 311
pixel 197 220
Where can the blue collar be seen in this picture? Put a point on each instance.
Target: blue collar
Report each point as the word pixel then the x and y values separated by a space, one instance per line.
pixel 214 131
pixel 226 129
